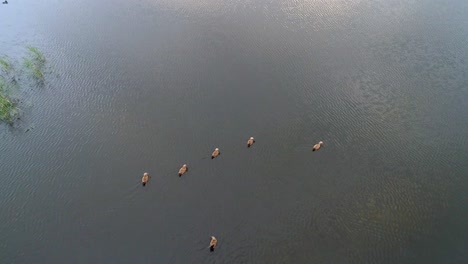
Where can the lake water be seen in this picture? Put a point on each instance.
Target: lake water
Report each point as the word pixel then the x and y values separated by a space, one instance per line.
pixel 145 86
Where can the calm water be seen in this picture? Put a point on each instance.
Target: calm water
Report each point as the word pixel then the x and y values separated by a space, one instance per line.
pixel 149 85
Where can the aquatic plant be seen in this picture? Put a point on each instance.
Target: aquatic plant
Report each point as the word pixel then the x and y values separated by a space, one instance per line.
pixel 5 65
pixel 7 107
pixel 36 55
pixel 6 69
pixel 35 63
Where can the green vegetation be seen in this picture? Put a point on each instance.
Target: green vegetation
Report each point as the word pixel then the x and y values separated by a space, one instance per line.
pixel 5 65
pixel 7 107
pixel 34 64
pixel 7 71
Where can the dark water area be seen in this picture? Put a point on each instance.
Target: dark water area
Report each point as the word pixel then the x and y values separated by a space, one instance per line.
pixel 145 86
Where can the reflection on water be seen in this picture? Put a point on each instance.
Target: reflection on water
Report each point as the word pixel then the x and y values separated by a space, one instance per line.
pixel 150 85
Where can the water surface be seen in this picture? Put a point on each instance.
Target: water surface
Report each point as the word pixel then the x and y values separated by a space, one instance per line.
pixel 149 85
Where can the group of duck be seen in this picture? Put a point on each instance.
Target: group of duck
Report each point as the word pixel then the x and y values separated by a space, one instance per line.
pixel 216 153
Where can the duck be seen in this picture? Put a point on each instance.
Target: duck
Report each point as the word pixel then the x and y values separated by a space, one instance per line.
pixel 317 146
pixel 215 153
pixel 250 142
pixel 5 2
pixel 213 243
pixel 183 170
pixel 145 179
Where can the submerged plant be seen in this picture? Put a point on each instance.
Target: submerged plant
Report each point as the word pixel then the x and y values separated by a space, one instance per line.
pixel 5 65
pixel 35 63
pixel 7 107
pixel 6 69
pixel 34 69
pixel 36 55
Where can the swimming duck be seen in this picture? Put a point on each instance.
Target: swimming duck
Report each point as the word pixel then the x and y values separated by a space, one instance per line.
pixel 215 153
pixel 250 142
pixel 183 170
pixel 213 243
pixel 145 179
pixel 5 2
pixel 317 146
